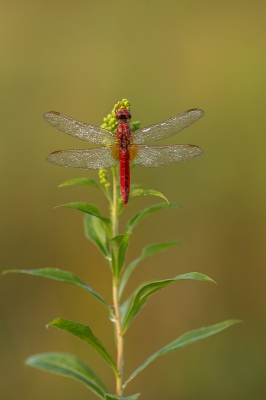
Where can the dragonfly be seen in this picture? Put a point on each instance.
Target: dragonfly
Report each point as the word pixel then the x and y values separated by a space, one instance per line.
pixel 124 146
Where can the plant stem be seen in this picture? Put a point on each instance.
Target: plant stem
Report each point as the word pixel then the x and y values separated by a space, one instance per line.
pixel 119 341
pixel 114 206
pixel 119 338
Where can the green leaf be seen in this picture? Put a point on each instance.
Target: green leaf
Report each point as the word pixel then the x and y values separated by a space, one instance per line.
pixel 145 212
pixel 81 182
pixel 148 289
pixel 185 339
pixel 119 245
pixel 84 333
pixel 87 182
pixel 69 366
pixel 146 192
pixel 58 275
pixel 91 210
pixel 109 396
pixel 148 251
pixel 94 231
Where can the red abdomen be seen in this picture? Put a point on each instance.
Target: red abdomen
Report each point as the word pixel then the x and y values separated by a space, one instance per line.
pixel 124 159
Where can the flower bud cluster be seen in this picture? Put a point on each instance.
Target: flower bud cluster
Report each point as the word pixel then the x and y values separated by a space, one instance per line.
pixel 103 176
pixel 110 122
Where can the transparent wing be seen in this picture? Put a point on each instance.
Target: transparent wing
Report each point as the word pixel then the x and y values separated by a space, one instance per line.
pixel 84 159
pixel 167 128
pixel 160 156
pixel 78 129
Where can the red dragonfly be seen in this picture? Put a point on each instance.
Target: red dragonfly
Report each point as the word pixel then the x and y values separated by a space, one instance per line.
pixel 124 146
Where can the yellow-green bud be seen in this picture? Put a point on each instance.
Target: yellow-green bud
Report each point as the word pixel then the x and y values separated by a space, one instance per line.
pixel 103 176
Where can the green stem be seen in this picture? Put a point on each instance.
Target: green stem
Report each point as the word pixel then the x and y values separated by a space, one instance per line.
pixel 118 325
pixel 114 207
pixel 119 341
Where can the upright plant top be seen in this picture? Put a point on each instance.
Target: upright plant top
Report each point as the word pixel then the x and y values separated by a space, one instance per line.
pixel 124 146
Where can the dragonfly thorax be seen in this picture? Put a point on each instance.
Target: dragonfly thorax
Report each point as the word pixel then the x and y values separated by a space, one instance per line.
pixel 124 142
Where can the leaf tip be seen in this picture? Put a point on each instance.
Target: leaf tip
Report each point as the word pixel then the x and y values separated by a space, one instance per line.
pixel 53 323
pixel 27 361
pixel 9 271
pixel 236 321
pixel 61 205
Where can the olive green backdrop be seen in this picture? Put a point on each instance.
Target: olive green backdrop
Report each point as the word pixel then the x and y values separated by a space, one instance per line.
pixel 79 58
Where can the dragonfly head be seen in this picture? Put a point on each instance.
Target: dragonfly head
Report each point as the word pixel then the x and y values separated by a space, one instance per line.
pixel 123 113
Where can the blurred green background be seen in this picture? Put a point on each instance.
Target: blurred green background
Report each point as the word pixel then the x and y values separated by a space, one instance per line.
pixel 80 58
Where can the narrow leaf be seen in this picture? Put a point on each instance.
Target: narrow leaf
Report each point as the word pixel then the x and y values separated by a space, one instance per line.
pixel 119 245
pixel 149 250
pixel 91 210
pixel 109 396
pixel 94 231
pixel 59 275
pixel 148 289
pixel 69 366
pixel 185 339
pixel 146 192
pixel 145 212
pixel 80 182
pixel 87 182
pixel 84 333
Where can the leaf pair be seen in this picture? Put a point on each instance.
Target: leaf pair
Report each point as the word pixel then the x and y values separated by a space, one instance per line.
pixel 91 182
pixel 94 211
pixel 71 366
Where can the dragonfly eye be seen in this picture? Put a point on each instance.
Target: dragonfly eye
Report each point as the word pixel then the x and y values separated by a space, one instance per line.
pixel 123 113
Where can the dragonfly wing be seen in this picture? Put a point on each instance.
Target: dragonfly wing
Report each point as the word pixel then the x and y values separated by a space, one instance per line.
pixel 78 129
pixel 160 156
pixel 84 159
pixel 167 128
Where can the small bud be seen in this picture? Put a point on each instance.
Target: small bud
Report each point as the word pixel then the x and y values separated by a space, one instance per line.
pixel 103 176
